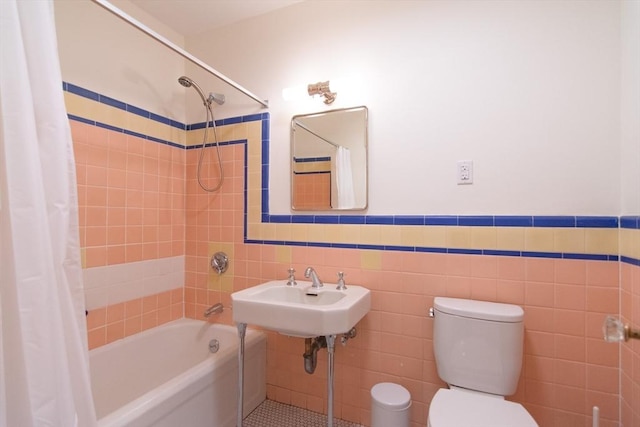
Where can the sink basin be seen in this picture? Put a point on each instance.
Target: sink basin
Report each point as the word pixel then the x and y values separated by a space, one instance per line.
pixel 301 310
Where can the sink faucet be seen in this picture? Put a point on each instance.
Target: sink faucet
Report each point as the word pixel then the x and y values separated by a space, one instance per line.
pixel 315 280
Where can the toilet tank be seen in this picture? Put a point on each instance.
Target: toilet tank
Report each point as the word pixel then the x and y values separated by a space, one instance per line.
pixel 478 344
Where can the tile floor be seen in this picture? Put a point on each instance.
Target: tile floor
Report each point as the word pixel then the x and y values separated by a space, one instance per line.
pixel 274 414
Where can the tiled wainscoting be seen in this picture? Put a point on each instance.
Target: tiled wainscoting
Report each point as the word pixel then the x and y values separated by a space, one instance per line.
pixel 140 202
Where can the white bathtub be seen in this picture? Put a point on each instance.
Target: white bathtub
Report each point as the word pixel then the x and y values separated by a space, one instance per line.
pixel 167 377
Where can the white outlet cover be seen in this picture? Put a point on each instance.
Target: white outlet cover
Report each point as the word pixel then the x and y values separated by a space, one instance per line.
pixel 465 172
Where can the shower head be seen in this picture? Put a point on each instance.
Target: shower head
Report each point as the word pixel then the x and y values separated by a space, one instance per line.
pixel 185 81
pixel 217 97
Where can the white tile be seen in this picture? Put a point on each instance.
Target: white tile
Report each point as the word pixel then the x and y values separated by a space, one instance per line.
pixel 122 282
pixel 274 414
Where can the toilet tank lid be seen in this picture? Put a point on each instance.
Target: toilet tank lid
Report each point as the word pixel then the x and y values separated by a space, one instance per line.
pixel 482 310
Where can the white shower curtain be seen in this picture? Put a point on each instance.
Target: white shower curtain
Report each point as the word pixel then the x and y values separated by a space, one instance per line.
pixel 344 179
pixel 44 375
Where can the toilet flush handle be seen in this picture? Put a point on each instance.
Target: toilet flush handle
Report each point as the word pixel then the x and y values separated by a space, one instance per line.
pixel 431 312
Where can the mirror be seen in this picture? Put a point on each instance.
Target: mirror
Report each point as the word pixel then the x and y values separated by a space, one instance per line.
pixel 329 160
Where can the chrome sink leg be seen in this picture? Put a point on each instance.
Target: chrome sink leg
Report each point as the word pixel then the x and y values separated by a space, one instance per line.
pixel 242 329
pixel 331 345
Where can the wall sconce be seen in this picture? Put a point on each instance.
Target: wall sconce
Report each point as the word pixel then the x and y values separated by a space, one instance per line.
pixel 615 331
pixel 322 88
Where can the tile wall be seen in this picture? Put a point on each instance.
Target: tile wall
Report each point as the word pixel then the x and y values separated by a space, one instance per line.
pixel 630 313
pixel 131 195
pixel 564 271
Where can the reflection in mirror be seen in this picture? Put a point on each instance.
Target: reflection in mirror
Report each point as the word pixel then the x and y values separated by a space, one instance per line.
pixel 329 160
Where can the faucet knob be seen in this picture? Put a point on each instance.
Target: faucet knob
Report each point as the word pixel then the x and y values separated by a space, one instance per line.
pixel 292 278
pixel 341 284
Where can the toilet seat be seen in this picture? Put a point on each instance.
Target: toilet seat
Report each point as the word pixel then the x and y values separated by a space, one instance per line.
pixel 456 408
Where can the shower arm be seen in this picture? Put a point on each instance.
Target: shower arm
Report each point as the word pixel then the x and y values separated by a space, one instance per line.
pixel 139 25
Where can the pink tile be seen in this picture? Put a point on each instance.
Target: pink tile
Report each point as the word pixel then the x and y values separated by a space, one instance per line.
pixel 606 402
pixel 603 379
pixel 602 273
pixel 539 294
pixel 96 176
pixel 96 337
pixel 571 271
pixel 569 373
pixel 132 325
pixel 116 254
pixel 458 265
pixel 565 418
pixel 570 297
pixel 484 289
pixel 115 313
pixel 570 348
pixel 510 292
pixel 539 343
pixel 133 308
pixel 149 304
pixel 483 267
pixel 458 287
pixel 602 300
pixel 115 331
pixel 539 368
pixel 570 399
pixel 96 318
pixel 569 322
pixel 600 352
pixel 539 319
pixel 540 270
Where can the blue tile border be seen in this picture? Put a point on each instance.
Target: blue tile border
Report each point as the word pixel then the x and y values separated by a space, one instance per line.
pixel 311 159
pixel 623 222
pixel 482 221
pixel 103 99
pixel 630 222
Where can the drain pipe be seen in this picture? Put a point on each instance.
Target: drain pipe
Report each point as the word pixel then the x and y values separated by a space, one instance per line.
pixel 311 347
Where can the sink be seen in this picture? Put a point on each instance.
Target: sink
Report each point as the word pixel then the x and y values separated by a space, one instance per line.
pixel 301 310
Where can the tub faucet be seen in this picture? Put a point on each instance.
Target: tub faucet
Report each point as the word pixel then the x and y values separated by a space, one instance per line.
pixel 315 280
pixel 214 309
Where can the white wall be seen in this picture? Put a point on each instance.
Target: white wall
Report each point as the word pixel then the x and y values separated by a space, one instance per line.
pixel 630 111
pixel 528 90
pixel 100 52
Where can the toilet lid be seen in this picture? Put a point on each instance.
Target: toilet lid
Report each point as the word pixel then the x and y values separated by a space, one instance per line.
pixel 462 408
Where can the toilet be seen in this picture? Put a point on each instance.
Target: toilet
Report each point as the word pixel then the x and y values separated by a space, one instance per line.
pixel 478 348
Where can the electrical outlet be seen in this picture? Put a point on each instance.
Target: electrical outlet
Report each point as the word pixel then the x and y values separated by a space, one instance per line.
pixel 465 172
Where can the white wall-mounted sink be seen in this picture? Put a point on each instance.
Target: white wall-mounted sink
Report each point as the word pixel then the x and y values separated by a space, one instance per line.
pixel 301 310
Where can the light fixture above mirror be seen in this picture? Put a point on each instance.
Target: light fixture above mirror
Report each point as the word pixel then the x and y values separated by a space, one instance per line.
pixel 323 89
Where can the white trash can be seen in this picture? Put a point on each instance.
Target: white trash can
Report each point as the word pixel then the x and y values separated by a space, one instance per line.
pixel 390 405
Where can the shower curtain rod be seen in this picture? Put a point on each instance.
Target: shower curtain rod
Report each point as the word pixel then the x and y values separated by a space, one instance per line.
pixel 296 122
pixel 139 25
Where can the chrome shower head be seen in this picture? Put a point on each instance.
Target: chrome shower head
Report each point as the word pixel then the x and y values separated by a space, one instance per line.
pixel 187 82
pixel 218 98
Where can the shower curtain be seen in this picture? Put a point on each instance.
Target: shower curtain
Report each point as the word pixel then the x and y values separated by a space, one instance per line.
pixel 44 370
pixel 344 179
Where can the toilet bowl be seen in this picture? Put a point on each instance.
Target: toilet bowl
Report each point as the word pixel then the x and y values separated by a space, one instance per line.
pixel 478 348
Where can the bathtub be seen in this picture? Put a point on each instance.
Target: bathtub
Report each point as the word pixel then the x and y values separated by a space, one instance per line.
pixel 167 377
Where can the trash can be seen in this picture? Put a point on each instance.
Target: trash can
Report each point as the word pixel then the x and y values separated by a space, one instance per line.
pixel 390 405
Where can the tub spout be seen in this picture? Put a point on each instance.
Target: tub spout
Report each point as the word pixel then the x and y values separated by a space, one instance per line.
pixel 214 309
